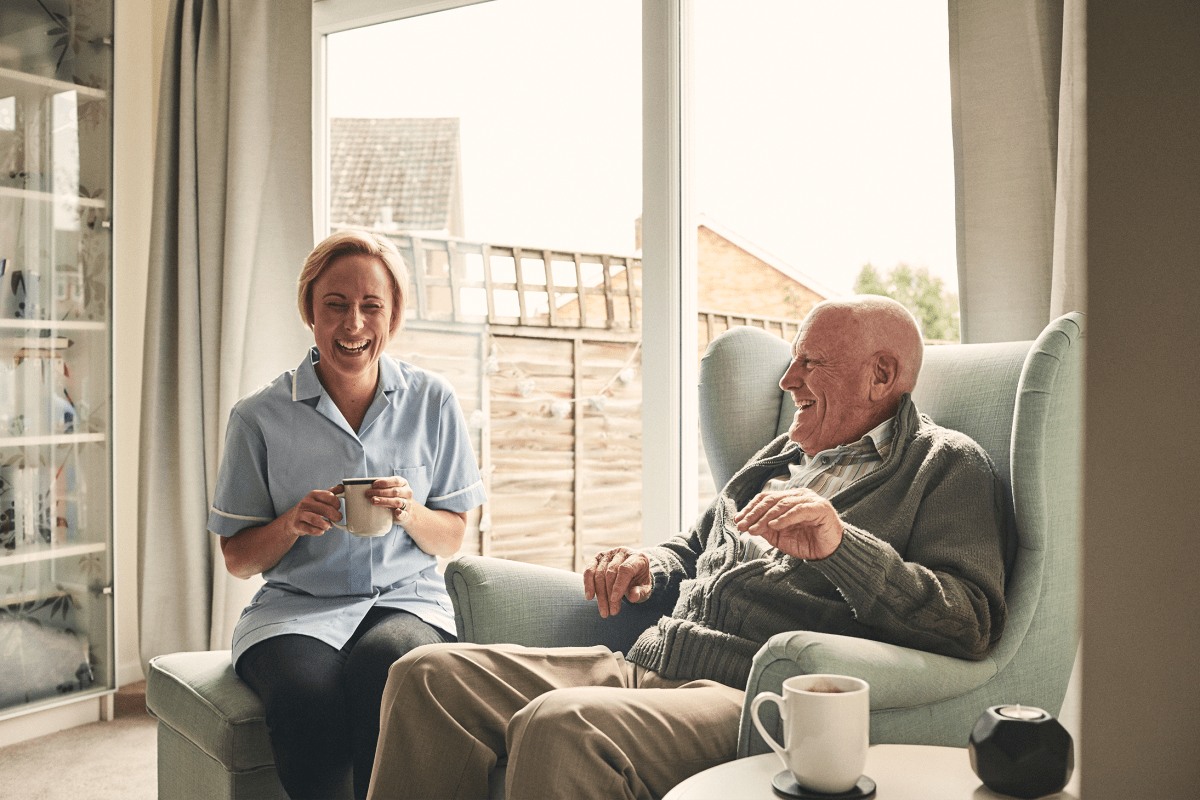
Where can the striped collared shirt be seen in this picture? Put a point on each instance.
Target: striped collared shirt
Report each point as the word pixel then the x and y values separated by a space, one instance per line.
pixel 829 471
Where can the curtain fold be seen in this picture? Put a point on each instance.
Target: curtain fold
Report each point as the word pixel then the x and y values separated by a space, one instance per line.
pixel 1018 86
pixel 231 226
pixel 1068 289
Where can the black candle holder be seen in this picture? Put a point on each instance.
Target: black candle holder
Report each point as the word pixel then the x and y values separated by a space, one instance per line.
pixel 1021 751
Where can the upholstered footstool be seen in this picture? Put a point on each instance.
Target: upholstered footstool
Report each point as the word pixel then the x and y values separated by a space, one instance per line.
pixel 212 732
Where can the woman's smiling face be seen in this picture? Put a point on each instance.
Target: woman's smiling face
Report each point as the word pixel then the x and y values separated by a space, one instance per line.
pixel 352 314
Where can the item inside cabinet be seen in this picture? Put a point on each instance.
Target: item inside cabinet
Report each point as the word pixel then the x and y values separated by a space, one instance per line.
pixel 38 506
pixel 39 661
pixel 35 398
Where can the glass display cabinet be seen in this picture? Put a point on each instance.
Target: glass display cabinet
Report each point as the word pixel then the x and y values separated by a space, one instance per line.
pixel 56 557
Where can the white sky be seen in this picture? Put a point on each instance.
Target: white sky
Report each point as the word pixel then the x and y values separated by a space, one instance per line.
pixel 821 130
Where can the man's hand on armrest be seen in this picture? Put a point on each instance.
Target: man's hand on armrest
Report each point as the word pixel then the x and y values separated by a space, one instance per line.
pixel 615 574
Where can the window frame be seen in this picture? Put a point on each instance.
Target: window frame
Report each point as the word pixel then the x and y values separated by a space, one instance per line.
pixel 669 280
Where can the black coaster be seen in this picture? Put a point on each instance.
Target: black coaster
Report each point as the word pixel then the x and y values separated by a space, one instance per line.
pixel 785 785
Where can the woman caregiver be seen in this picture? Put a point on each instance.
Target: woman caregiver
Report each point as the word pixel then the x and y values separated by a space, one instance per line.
pixel 336 610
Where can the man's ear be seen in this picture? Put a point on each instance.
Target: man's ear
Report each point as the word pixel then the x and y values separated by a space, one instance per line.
pixel 885 374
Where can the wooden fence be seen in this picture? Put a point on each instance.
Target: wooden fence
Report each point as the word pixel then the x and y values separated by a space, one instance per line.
pixel 714 323
pixel 551 388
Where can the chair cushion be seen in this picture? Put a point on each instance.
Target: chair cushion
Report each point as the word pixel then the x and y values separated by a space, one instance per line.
pixel 202 698
pixel 972 388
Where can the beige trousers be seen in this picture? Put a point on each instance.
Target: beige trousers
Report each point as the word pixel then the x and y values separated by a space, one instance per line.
pixel 573 722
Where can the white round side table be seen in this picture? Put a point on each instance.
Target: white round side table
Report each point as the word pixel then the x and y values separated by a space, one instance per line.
pixel 900 772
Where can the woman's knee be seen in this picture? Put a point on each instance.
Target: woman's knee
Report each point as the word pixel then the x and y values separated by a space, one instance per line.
pixel 373 655
pixel 309 704
pixel 294 679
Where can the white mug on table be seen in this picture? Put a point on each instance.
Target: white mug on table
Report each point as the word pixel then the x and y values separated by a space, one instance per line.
pixel 826 730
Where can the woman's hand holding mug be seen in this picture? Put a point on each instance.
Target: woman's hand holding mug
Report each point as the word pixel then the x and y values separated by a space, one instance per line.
pixel 373 505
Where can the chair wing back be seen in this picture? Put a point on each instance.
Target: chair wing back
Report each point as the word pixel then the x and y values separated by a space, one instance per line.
pixel 1041 639
pixel 742 407
pixel 972 388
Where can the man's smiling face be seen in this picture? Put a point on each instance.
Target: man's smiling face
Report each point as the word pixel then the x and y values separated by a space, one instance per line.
pixel 829 382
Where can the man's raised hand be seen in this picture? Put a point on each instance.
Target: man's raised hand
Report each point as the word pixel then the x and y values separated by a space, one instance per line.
pixel 799 522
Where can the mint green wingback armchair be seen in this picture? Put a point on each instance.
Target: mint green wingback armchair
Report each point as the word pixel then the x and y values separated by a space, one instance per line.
pixel 1021 401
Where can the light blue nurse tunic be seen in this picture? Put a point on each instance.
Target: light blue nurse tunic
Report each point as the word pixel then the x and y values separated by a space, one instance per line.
pixel 289 438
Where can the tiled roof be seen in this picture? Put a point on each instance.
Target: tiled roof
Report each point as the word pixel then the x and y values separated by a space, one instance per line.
pixel 409 165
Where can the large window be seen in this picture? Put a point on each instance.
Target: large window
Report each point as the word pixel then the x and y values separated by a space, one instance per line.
pixel 822 160
pixel 822 133
pixel 542 101
pixel 499 145
pixel 589 191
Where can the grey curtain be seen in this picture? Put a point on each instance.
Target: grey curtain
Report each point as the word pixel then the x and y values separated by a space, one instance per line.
pixel 232 224
pixel 1018 94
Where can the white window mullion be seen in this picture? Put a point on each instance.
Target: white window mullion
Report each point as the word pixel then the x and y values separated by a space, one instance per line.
pixel 320 136
pixel 669 375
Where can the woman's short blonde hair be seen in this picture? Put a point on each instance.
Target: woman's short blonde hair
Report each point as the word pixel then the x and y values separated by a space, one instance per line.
pixel 355 242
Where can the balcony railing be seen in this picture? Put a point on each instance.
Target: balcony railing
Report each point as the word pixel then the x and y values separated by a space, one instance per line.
pixel 456 280
pixel 714 323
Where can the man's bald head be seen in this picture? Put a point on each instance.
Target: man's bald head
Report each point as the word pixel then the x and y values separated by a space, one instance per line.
pixel 852 361
pixel 881 325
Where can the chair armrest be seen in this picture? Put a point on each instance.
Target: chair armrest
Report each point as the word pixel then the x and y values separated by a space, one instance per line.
pixel 899 677
pixel 500 601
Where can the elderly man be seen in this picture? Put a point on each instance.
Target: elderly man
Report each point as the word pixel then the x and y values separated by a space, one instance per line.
pixel 866 519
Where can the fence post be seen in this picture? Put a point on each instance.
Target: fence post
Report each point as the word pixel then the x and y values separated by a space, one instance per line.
pixel 551 294
pixel 453 259
pixel 485 438
pixel 577 499
pixel 634 318
pixel 609 307
pixel 485 252
pixel 418 268
pixel 520 278
pixel 580 290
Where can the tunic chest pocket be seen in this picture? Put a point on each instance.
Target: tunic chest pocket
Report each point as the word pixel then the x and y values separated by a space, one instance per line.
pixel 418 479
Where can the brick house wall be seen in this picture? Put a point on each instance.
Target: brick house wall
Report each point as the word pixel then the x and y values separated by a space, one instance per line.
pixel 733 279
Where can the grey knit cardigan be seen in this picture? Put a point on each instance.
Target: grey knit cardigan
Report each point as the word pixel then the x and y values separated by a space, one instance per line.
pixel 921 563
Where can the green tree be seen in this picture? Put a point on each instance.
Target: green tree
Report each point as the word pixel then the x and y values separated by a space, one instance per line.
pixel 921 293
pixel 869 282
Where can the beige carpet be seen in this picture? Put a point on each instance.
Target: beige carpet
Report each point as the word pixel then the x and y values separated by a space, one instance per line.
pixel 101 761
